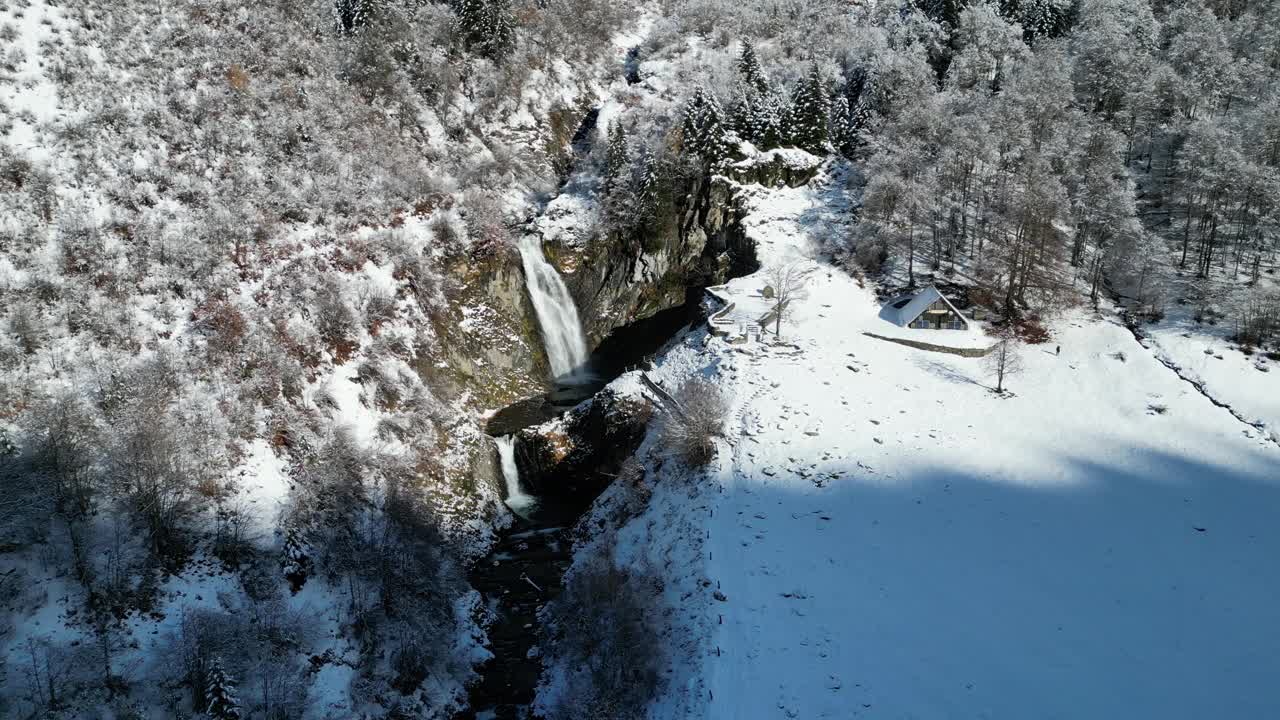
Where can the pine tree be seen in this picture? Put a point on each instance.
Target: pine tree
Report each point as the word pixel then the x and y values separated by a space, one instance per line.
pixel 646 188
pixel 617 165
pixel 809 110
pixel 749 68
pixel 220 695
pixel 859 117
pixel 351 15
pixel 771 121
pixel 487 26
pixel 841 130
pixel 742 116
pixel 296 562
pixel 704 128
pixel 1039 18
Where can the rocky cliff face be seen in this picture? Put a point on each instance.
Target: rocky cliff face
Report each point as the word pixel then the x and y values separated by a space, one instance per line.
pixel 488 342
pixel 617 281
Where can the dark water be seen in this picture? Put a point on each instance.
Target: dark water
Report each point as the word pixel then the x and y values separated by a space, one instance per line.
pixel 521 574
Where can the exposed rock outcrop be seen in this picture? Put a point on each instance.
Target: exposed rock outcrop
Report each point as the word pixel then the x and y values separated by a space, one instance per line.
pixel 618 280
pixel 574 458
pixel 775 168
pixel 488 342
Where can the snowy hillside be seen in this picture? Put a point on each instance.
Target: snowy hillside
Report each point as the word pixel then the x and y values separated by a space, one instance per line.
pixel 892 539
pixel 585 359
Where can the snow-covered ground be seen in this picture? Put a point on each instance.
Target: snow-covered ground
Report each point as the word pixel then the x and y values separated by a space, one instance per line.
pixel 1205 355
pixel 892 539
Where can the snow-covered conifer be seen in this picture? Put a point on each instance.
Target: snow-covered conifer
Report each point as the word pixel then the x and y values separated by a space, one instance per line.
pixel 296 559
pixel 843 137
pixel 749 68
pixel 617 163
pixel 351 15
pixel 771 121
pixel 704 128
pixel 487 26
pixel 646 186
pixel 742 114
pixel 221 702
pixel 809 109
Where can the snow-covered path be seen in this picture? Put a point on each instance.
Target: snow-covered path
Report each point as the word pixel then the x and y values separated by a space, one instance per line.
pixel 894 540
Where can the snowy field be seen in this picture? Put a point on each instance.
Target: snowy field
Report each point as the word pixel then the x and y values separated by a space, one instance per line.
pixel 1203 354
pixel 894 540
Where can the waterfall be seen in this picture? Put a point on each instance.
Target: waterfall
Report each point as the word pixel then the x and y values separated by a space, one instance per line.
pixel 517 500
pixel 561 330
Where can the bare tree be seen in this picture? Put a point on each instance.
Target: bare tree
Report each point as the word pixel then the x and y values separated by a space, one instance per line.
pixel 1004 358
pixel 788 282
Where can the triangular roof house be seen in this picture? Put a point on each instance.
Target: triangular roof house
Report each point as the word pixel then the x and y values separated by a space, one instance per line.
pixel 928 309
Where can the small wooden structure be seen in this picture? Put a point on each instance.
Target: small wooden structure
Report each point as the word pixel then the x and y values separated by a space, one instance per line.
pixel 928 309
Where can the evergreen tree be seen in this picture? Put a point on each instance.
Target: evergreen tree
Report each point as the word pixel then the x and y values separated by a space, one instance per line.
pixel 487 26
pixel 843 136
pixel 617 164
pixel 809 111
pixel 704 128
pixel 351 15
pixel 771 122
pixel 646 188
pixel 296 562
pixel 749 68
pixel 1039 18
pixel 220 695
pixel 742 116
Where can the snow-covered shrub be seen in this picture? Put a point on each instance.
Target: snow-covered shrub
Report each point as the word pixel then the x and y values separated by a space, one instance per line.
pixel 336 320
pixel 870 255
pixel 486 229
pixel 603 626
pixel 26 327
pixel 634 490
pixel 225 327
pixel 689 429
pixel 63 436
pixel 231 542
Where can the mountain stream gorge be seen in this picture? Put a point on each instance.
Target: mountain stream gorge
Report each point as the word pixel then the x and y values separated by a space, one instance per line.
pixel 525 567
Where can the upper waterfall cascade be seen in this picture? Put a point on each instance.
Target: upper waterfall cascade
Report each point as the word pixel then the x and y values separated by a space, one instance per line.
pixel 562 334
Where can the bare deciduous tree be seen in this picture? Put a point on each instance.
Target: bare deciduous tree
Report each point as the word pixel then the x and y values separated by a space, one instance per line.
pixel 1004 358
pixel 788 281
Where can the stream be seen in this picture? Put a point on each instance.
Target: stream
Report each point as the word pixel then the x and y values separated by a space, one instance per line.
pixel 521 573
pixel 525 568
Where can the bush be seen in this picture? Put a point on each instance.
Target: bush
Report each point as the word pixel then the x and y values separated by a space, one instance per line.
pixel 1032 332
pixel 336 321
pixel 871 256
pixel 690 428
pixel 603 631
pixel 25 326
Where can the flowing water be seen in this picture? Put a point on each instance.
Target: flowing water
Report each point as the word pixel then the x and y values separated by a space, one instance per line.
pixel 562 334
pixel 521 573
pixel 520 502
